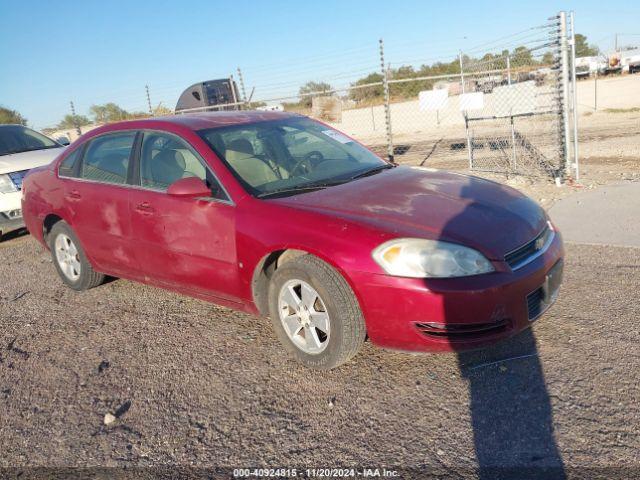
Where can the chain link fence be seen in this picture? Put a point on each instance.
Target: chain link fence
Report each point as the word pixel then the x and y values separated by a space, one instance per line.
pixel 504 113
pixel 508 111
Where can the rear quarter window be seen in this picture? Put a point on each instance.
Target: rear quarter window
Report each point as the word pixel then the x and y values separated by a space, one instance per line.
pixel 107 158
pixel 65 169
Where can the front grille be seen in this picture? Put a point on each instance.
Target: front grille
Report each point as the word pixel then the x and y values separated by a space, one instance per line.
pixel 461 331
pixel 17 177
pixel 522 255
pixel 535 303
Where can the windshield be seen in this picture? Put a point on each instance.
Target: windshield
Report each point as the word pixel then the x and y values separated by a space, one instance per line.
pixel 16 139
pixel 289 156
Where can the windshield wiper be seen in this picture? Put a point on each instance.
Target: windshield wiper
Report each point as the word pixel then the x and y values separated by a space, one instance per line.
pixel 308 187
pixel 372 171
pixel 283 191
pixel 320 185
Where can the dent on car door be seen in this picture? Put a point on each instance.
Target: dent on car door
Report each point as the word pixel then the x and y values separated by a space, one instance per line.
pixel 183 243
pixel 96 195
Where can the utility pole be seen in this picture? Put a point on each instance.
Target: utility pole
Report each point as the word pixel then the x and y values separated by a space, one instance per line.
pixel 244 92
pixel 387 108
pixel 615 48
pixel 146 87
pixel 75 121
pixel 564 57
pixel 572 42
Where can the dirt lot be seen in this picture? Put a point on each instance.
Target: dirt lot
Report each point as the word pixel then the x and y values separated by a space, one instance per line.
pixel 197 385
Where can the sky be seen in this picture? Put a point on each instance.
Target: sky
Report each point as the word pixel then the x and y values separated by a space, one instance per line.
pixel 94 52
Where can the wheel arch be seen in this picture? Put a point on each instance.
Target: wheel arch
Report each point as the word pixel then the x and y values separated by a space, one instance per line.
pixel 47 224
pixel 270 262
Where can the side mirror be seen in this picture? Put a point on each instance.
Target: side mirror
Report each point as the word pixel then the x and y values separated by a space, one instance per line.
pixel 189 187
pixel 64 141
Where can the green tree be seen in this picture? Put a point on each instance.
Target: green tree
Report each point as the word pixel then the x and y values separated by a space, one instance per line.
pixel 11 116
pixel 109 112
pixel 312 87
pixel 522 56
pixel 548 58
pixel 70 121
pixel 583 49
pixel 366 93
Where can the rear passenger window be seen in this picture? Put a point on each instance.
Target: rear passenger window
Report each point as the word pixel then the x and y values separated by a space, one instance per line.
pixel 66 167
pixel 107 158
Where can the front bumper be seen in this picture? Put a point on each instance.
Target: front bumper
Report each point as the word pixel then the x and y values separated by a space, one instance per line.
pixel 10 212
pixel 453 314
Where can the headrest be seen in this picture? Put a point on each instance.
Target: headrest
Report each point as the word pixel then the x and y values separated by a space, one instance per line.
pixel 167 167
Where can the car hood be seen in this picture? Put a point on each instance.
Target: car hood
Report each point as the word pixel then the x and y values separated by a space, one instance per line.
pixel 433 204
pixel 16 162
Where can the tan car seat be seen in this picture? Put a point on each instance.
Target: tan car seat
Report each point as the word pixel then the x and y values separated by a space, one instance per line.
pixel 254 171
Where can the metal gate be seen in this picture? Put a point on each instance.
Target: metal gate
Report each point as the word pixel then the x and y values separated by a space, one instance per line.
pixel 520 120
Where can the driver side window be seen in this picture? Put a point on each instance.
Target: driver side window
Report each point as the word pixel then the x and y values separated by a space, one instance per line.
pixel 165 159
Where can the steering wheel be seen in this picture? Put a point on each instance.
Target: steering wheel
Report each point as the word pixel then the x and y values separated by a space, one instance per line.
pixel 306 161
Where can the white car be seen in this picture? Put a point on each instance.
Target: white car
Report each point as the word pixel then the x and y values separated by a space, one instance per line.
pixel 21 149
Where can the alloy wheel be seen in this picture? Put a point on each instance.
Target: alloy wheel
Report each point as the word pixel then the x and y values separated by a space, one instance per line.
pixel 304 316
pixel 68 257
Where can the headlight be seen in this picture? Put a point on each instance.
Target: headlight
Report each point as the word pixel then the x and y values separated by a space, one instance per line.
pixel 417 258
pixel 6 184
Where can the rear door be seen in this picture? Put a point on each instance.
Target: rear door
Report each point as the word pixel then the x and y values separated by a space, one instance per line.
pixel 182 243
pixel 97 197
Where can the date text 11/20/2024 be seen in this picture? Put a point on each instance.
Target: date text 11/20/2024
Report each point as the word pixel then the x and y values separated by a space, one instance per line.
pixel 314 473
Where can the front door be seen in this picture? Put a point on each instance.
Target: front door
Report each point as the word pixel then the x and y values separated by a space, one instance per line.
pixel 182 243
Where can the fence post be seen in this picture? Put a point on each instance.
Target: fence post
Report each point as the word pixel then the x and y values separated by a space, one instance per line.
pixel 244 92
pixel 146 87
pixel 466 117
pixel 73 115
pixel 513 127
pixel 387 109
pixel 564 65
pixel 461 72
pixel 595 90
pixel 575 97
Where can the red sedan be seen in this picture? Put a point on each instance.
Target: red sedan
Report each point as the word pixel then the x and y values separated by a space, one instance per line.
pixel 278 215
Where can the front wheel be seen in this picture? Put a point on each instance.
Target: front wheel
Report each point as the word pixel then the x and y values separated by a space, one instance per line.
pixel 70 260
pixel 315 314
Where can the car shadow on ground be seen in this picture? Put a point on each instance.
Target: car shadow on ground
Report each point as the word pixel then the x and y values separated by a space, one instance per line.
pixel 511 413
pixel 7 237
pixel 510 409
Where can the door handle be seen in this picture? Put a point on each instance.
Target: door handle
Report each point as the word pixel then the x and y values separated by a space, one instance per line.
pixel 74 195
pixel 145 208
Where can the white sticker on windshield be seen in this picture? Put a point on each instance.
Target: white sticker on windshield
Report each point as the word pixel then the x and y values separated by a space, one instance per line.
pixel 337 136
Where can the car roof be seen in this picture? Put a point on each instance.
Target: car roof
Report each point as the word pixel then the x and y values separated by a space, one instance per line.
pixel 205 120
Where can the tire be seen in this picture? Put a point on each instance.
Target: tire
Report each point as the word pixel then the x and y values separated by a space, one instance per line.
pixel 336 307
pixel 72 265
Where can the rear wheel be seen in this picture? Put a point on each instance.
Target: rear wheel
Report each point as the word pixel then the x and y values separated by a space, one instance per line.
pixel 315 314
pixel 70 260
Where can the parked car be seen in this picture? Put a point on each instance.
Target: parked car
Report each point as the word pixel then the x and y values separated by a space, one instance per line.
pixel 276 214
pixel 20 150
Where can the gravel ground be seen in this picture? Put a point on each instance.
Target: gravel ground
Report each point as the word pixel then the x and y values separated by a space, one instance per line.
pixel 196 385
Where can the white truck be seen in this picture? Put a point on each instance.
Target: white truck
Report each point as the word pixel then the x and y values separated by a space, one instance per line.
pixel 21 149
